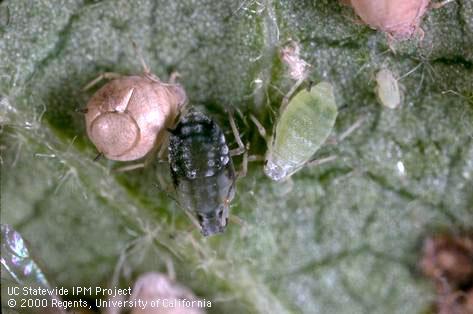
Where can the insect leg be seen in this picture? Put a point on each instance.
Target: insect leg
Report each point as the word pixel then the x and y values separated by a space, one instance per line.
pixel 244 164
pixel 259 126
pixel 285 100
pixel 105 75
pixel 162 153
pixel 146 69
pixel 391 42
pixel 438 5
pixel 131 167
pixel 192 218
pixel 174 77
pixel 420 32
pixel 241 147
pixel 351 129
pixel 316 162
pixel 262 132
pixel 252 158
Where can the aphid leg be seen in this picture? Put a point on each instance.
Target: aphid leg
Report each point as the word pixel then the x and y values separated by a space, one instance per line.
pixel 252 158
pixel 151 157
pixel 421 33
pixel 260 127
pixel 438 5
pixel 316 162
pixel 240 114
pixel 192 219
pixel 237 151
pixel 262 132
pixel 241 147
pixel 105 75
pixel 163 150
pixel 410 71
pixel 350 130
pixel 391 41
pixel 174 77
pixel 146 69
pixel 287 97
pixel 131 167
pixel 244 164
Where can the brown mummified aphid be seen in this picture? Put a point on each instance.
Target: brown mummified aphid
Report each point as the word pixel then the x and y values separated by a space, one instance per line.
pixel 174 297
pixel 399 18
pixel 127 118
pixel 448 261
pixel 156 293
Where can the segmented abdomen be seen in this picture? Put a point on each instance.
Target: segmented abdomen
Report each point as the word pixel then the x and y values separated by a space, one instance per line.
pixel 201 166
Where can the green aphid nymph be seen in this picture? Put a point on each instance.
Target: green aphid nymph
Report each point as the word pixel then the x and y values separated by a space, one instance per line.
pixel 304 125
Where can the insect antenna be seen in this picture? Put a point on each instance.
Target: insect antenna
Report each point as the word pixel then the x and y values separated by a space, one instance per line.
pixel 146 69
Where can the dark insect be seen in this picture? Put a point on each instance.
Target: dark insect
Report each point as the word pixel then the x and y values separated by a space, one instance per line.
pixel 202 170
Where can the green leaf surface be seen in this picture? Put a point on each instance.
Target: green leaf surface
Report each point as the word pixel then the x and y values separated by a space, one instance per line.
pixel 340 238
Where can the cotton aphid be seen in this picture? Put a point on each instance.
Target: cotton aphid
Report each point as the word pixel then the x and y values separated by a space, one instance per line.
pixel 387 89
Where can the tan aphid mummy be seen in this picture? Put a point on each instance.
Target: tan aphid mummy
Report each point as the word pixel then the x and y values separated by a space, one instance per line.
pixel 387 89
pixel 154 286
pixel 128 116
pixel 399 18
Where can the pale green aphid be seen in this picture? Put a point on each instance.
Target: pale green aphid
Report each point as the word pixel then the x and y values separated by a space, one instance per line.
pixel 302 128
pixel 387 89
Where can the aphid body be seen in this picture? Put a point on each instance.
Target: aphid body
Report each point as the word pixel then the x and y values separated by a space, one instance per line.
pixel 399 18
pixel 153 286
pixel 302 128
pixel 128 116
pixel 202 170
pixel 387 89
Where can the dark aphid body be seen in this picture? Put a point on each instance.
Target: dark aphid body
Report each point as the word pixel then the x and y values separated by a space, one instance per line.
pixel 202 170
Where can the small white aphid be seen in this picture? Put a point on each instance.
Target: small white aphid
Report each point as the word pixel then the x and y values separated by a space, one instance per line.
pixel 127 118
pixel 400 18
pixel 303 126
pixel 387 89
